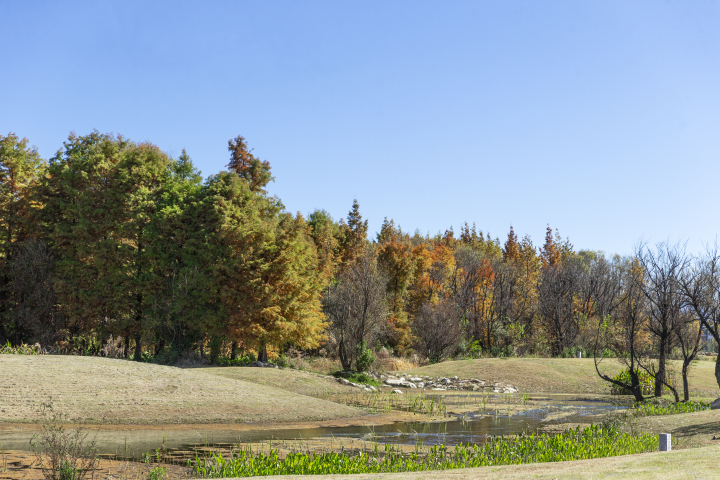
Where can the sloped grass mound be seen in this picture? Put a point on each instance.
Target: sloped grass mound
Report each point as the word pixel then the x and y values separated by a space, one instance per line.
pixel 101 390
pixel 297 381
pixel 557 375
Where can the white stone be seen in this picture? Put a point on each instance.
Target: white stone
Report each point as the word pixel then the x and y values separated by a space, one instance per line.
pixel 415 379
pixel 399 392
pixel 439 389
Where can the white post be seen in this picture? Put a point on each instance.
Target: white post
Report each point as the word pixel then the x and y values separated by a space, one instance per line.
pixel 579 354
pixel 665 445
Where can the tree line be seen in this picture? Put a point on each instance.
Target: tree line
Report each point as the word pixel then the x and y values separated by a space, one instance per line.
pixel 112 240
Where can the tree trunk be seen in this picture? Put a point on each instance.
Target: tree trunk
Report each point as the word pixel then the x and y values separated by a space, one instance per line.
pixel 660 374
pixel 215 345
pixel 159 346
pixel 344 359
pixel 126 348
pixel 686 387
pixel 233 351
pixel 138 348
pixel 262 353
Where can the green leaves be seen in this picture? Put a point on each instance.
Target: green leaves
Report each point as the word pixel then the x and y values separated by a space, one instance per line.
pixel 593 442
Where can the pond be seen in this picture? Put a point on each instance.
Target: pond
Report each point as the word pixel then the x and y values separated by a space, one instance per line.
pixel 481 417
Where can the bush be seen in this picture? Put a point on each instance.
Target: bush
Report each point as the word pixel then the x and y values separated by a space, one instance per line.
pixel 22 349
pixel 65 454
pixel 647 383
pixel 365 357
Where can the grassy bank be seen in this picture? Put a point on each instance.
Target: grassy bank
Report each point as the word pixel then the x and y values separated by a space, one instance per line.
pixel 100 390
pixel 295 381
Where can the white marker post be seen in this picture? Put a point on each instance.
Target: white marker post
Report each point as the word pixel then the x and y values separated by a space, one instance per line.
pixel 579 354
pixel 665 445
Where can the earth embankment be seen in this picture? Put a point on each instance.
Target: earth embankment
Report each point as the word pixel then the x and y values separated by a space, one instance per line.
pixel 96 390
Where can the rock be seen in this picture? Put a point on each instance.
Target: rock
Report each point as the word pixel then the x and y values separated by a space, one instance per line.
pixel 263 364
pixel 420 384
pixel 399 392
pixel 454 379
pixel 343 381
pixel 439 389
pixel 715 404
pixel 370 388
pixel 400 382
pixel 415 379
pixel 446 381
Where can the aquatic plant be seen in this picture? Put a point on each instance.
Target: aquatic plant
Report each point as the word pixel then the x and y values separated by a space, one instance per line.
pixel 648 409
pixel 593 442
pixel 381 402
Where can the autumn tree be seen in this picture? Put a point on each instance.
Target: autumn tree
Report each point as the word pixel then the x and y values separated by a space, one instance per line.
pixel 265 269
pixel 354 234
pixel 396 261
pixel 20 168
pixel 511 249
pixel 327 235
pixel 98 200
pixel 254 171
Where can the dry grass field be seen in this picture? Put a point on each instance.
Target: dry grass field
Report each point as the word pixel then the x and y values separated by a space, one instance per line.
pixel 559 375
pixel 295 381
pixel 100 390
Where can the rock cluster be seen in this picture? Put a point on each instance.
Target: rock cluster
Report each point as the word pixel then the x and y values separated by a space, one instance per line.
pixel 367 388
pixel 258 363
pixel 432 383
pixel 445 383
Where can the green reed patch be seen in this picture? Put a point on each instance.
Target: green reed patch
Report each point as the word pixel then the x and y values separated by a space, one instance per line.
pixel 592 442
pixel 647 409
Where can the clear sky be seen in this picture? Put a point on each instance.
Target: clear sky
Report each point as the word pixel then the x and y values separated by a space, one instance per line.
pixel 600 118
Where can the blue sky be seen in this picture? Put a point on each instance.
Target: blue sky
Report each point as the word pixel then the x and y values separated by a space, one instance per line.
pixel 599 118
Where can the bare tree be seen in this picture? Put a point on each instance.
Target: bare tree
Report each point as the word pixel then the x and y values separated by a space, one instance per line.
pixel 356 306
pixel 660 282
pixel 560 283
pixel 701 287
pixel 688 332
pixel 621 331
pixel 438 329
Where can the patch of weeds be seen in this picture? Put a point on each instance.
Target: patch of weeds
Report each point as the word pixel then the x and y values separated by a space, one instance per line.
pixel 357 377
pixel 157 473
pixel 63 454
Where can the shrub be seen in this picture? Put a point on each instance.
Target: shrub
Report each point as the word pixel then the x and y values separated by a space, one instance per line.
pixel 365 357
pixel 647 383
pixel 65 454
pixel 22 349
